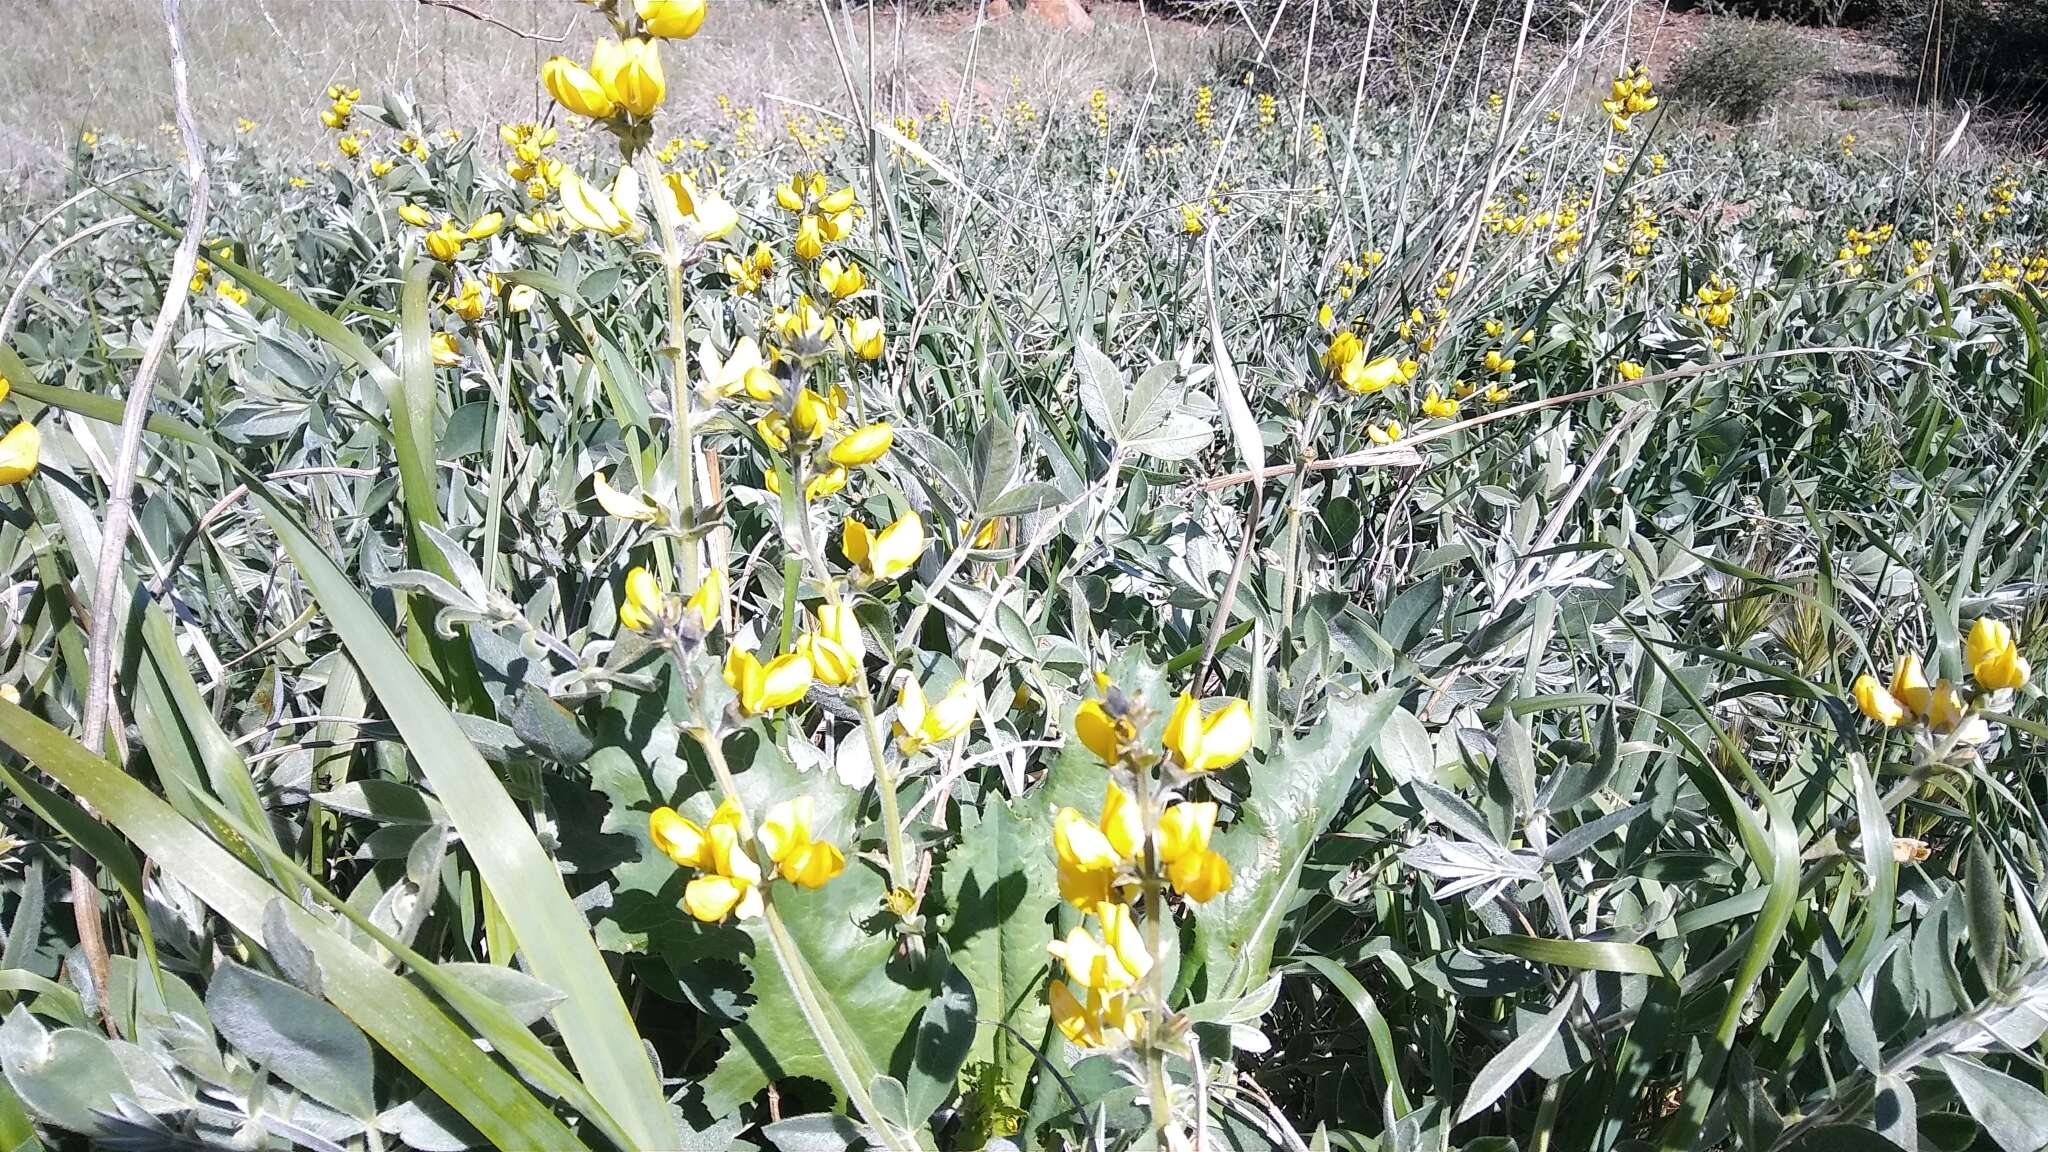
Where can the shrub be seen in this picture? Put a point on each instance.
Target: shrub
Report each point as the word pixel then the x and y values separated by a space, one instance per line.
pixel 1993 49
pixel 1820 13
pixel 1740 70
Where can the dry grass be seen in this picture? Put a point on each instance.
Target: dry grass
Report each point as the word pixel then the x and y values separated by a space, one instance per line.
pixel 100 64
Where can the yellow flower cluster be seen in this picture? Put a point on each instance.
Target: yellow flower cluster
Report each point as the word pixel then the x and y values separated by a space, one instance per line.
pixel 1998 269
pixel 1098 108
pixel 446 239
pixel 824 215
pixel 1857 245
pixel 1992 657
pixel 728 877
pixel 341 105
pixel 1205 110
pixel 1716 305
pixel 1628 96
pixel 530 165
pixel 624 80
pixel 1137 844
pixel 1348 365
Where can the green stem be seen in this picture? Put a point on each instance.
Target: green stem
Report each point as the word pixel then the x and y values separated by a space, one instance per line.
pixel 679 362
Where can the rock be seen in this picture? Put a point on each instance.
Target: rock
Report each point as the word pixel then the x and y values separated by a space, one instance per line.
pixel 1062 14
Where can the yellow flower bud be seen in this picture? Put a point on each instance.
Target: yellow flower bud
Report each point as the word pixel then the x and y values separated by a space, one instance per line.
pixel 1101 733
pixel 836 203
pixel 445 351
pixel 671 19
pixel 862 445
pixel 864 337
pixel 588 206
pixel 486 225
pixel 1120 822
pixel 708 600
pixel 841 279
pixel 644 601
pixel 835 648
pixel 1994 659
pixel 1910 687
pixel 786 837
pixel 810 240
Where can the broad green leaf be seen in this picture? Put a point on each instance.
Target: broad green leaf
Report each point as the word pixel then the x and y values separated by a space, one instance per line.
pixel 999 894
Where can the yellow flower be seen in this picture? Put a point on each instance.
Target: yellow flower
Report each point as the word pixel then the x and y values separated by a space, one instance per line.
pixel 810 239
pixel 707 215
pixel 786 837
pixel 1909 686
pixel 1873 701
pixel 1495 362
pixel 1121 823
pixel 233 293
pixel 1365 377
pixel 1438 405
pixel 381 167
pixel 486 225
pixel 1184 829
pixel 575 89
pixel 1945 709
pixel 834 646
pixel 813 415
pixel 841 279
pixel 1103 734
pixel 1191 220
pixel 863 445
pixel 743 371
pixel 671 19
pixel 446 352
pixel 644 604
pixel 920 723
pixel 1116 961
pixel 20 449
pixel 864 337
pixel 445 243
pixel 468 302
pixel 1994 660
pixel 630 73
pixel 833 203
pixel 1205 743
pixel 1629 370
pixel 1079 843
pixel 1200 876
pixel 887 554
pixel 588 206
pixel 732 881
pixel 766 687
pixel 679 838
pixel 637 507
pixel 1384 434
pixel 708 600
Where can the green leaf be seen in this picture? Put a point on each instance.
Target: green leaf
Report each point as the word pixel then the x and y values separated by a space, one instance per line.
pixel 1507 1065
pixel 552 933
pixel 2014 1113
pixel 999 892
pixel 1295 793
pixel 298 1039
pixel 398 1016
pixel 944 1035
pixel 1588 955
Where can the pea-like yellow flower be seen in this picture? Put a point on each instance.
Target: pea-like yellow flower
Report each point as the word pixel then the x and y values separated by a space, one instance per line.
pixel 671 19
pixel 1182 841
pixel 800 859
pixel 645 604
pixel 445 243
pixel 1910 686
pixel 416 215
pixel 575 89
pixel 1080 843
pixel 1994 659
pixel 921 723
pixel 864 337
pixel 679 838
pixel 1384 434
pixel 732 881
pixel 887 554
pixel 1946 710
pixel 1101 1020
pixel 1438 405
pixel 485 226
pixel 469 301
pixel 445 351
pixel 834 645
pixel 863 445
pixel 841 278
pixel 708 601
pixel 744 370
pixel 629 71
pixel 636 506
pixel 810 238
pixel 1495 362
pixel 1873 701
pixel 1365 377
pixel 1629 370
pixel 813 415
pixel 1115 961
pixel 1102 733
pixel 20 450
pixel 585 205
pixel 706 214
pixel 765 687
pixel 1205 743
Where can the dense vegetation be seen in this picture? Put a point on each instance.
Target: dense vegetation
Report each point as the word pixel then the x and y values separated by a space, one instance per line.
pixel 1232 618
